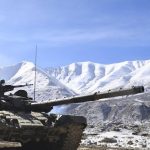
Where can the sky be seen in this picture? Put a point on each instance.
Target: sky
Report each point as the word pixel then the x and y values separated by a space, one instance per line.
pixel 68 31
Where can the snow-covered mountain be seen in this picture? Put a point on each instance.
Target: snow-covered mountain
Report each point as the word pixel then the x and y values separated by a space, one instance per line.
pixel 87 77
pixel 81 77
pixel 47 87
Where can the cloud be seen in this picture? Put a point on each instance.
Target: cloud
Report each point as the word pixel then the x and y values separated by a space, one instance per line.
pixel 63 23
pixel 114 35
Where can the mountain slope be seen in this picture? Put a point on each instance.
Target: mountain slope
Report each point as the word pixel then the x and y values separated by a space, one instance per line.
pixel 47 87
pixel 87 77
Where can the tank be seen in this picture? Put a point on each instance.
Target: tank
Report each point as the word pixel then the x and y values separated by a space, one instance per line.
pixel 26 124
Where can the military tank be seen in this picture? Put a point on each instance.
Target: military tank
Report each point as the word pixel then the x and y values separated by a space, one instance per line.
pixel 26 124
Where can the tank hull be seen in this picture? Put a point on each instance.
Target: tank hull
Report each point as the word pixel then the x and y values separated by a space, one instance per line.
pixel 24 130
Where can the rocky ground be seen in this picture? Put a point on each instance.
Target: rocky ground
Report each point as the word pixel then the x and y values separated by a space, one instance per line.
pixel 119 123
pixel 117 136
pixel 103 148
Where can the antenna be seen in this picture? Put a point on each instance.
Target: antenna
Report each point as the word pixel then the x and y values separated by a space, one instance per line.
pixel 35 61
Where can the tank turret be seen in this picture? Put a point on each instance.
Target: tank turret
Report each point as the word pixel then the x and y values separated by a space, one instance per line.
pixel 16 101
pixel 7 88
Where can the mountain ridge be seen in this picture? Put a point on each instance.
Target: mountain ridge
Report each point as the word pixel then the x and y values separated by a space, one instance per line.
pixel 81 77
pixel 88 77
pixel 47 87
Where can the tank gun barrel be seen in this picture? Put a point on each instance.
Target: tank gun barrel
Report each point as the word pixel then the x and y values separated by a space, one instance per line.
pixel 91 97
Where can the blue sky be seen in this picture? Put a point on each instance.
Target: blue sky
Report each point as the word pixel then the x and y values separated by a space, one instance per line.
pixel 67 31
